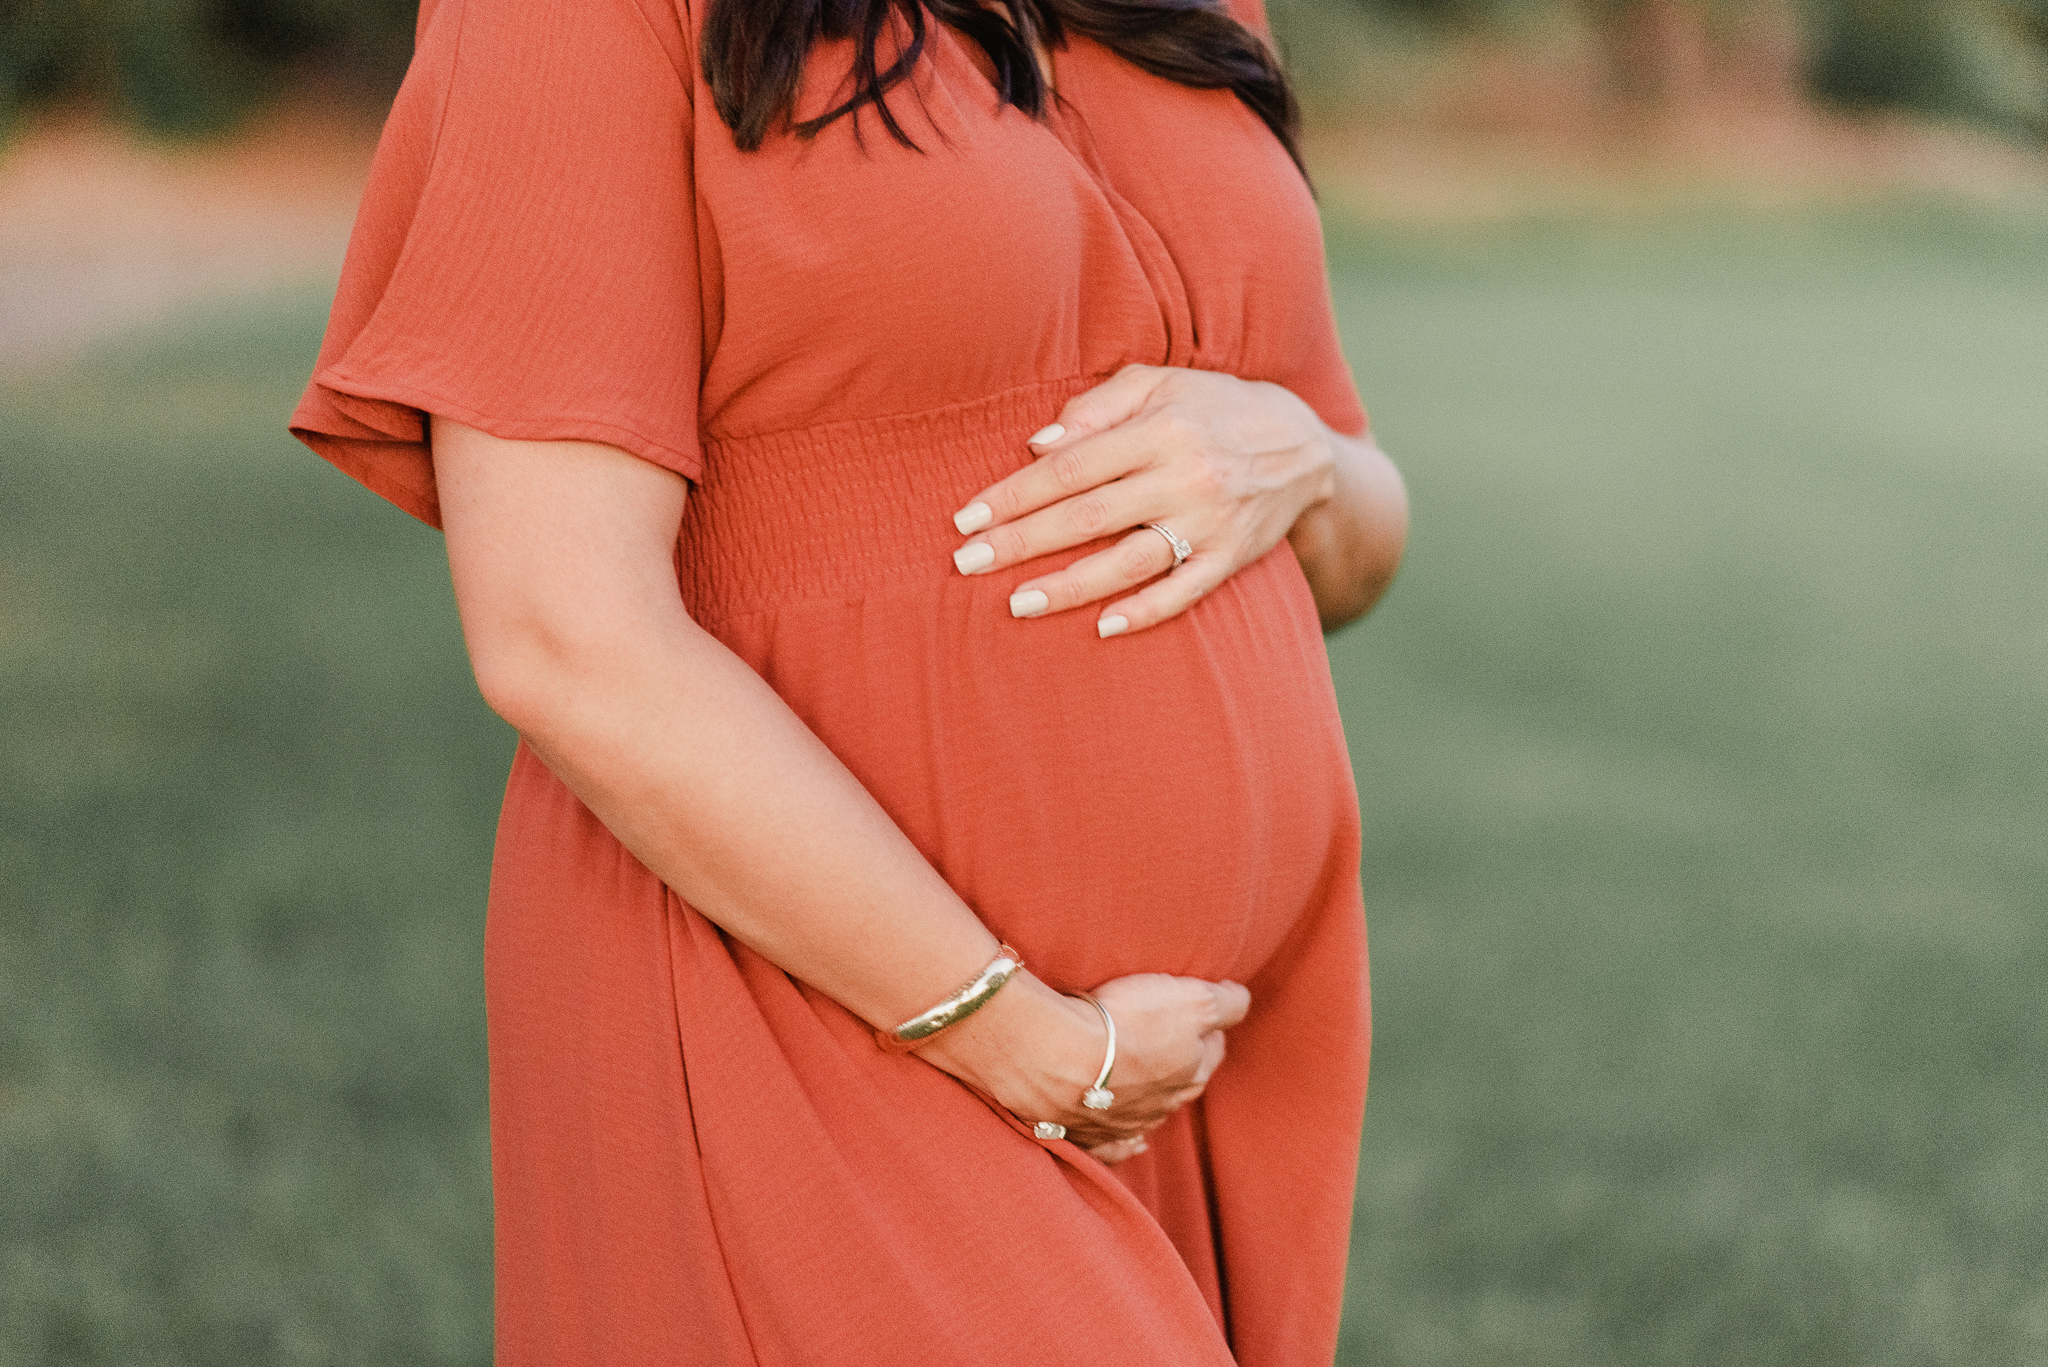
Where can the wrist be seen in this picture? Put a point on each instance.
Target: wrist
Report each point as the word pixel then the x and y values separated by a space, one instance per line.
pixel 951 1011
pixel 1321 446
pixel 1031 1048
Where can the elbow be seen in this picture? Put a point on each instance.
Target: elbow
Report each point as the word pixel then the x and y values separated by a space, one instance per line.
pixel 524 674
pixel 1336 613
pixel 512 687
pixel 557 680
pixel 1355 549
pixel 1349 597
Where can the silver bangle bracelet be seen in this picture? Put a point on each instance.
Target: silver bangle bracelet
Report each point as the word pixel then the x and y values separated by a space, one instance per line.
pixel 922 1027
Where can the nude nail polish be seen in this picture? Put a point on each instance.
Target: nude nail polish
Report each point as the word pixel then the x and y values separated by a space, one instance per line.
pixel 1046 436
pixel 1116 624
pixel 1029 603
pixel 973 518
pixel 975 558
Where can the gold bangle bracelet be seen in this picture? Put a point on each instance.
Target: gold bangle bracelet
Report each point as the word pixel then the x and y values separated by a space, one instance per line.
pixel 1099 1097
pixel 928 1025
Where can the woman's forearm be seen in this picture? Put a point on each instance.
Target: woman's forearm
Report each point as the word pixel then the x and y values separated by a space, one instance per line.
pixel 705 774
pixel 561 558
pixel 1349 544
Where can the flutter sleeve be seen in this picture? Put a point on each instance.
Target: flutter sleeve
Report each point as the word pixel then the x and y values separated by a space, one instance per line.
pixel 1316 372
pixel 525 257
pixel 1323 377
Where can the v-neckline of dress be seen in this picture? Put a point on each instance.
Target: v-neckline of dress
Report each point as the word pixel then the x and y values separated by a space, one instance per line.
pixel 1066 123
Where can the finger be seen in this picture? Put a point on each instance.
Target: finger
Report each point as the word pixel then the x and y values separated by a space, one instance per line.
pixel 1212 1057
pixel 1140 556
pixel 1066 466
pixel 1090 515
pixel 1119 1150
pixel 1230 1001
pixel 1112 403
pixel 1058 471
pixel 1198 576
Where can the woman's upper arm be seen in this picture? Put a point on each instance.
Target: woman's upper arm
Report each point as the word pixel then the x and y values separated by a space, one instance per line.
pixel 557 548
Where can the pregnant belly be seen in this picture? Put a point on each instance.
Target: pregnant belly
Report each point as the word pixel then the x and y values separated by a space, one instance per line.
pixel 1170 801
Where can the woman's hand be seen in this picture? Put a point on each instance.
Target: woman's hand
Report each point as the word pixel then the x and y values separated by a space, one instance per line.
pixel 1230 465
pixel 1147 1008
pixel 1169 1042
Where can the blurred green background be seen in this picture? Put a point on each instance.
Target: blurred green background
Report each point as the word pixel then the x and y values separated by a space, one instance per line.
pixel 194 66
pixel 1701 746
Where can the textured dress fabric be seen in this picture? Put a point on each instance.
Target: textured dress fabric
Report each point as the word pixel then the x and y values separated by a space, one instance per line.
pixel 839 341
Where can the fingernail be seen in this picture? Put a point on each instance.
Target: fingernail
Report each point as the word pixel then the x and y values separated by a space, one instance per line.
pixel 1115 624
pixel 1046 436
pixel 973 518
pixel 1139 1146
pixel 975 558
pixel 1029 603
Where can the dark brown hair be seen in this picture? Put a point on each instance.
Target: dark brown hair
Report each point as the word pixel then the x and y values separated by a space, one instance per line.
pixel 754 53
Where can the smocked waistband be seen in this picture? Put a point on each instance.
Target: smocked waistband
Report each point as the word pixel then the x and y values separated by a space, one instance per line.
pixel 837 510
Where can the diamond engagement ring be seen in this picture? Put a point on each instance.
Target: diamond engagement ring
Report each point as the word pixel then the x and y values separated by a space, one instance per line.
pixel 1181 549
pixel 1046 1129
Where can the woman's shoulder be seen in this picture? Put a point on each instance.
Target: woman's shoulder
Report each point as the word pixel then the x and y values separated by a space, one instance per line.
pixel 561 29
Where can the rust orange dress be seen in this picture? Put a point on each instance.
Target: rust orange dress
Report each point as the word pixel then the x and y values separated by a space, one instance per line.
pixel 696 1159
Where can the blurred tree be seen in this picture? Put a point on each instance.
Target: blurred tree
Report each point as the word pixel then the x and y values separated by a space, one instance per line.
pixel 1678 52
pixel 1978 59
pixel 192 66
pixel 1658 51
pixel 1984 60
pixel 1445 13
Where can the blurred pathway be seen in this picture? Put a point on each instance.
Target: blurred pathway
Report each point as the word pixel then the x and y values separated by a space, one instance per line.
pixel 1432 173
pixel 100 232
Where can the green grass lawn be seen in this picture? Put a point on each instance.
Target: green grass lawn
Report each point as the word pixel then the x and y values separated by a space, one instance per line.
pixel 1705 762
pixel 1703 753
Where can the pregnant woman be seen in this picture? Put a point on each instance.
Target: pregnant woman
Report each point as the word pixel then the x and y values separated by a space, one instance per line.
pixel 895 460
